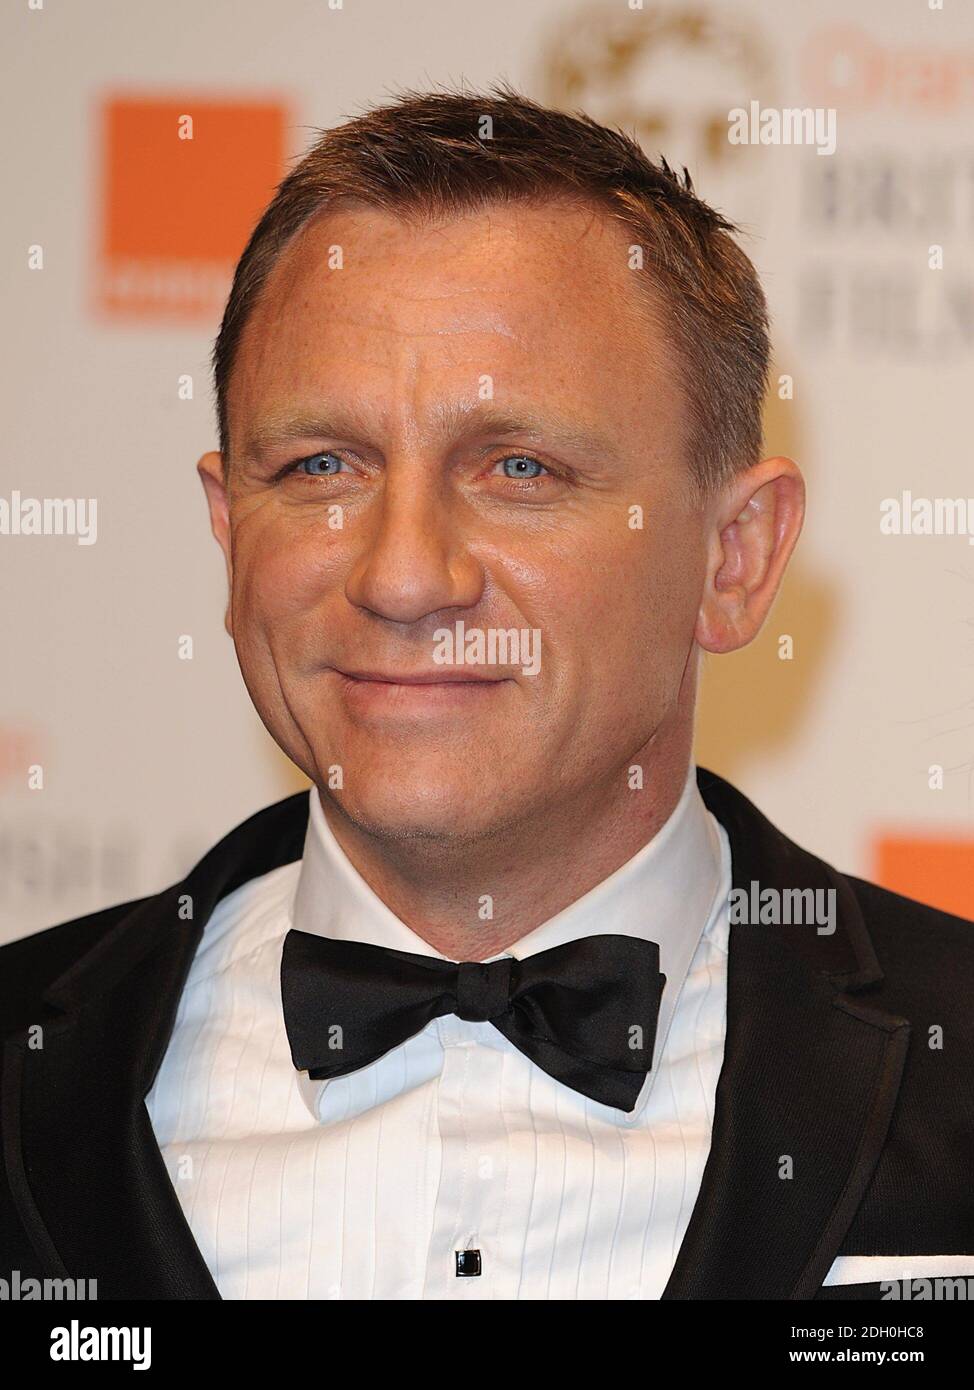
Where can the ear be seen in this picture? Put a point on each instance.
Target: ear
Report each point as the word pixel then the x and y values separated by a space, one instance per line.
pixel 210 469
pixel 756 519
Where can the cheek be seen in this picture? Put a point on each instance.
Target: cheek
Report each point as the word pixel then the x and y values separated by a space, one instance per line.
pixel 643 581
pixel 629 613
pixel 279 570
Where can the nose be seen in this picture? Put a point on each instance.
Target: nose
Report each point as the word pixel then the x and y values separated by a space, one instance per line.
pixel 414 559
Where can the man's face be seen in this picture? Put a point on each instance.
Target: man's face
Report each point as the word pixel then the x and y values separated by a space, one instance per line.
pixel 495 417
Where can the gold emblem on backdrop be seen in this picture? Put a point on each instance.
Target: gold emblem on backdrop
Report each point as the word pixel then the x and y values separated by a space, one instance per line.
pixel 666 74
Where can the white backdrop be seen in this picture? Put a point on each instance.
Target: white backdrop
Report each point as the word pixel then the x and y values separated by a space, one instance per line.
pixel 148 758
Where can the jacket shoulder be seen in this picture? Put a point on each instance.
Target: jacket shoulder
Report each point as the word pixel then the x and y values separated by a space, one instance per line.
pixel 29 965
pixel 920 948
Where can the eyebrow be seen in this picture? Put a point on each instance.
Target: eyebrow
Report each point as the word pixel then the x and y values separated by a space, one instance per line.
pixel 454 422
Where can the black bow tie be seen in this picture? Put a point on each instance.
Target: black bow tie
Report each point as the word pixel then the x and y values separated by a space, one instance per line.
pixel 584 1012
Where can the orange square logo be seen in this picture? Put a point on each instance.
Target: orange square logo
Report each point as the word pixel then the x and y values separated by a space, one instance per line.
pixel 934 870
pixel 183 182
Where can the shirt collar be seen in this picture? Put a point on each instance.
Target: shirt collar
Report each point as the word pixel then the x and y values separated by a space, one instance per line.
pixel 668 892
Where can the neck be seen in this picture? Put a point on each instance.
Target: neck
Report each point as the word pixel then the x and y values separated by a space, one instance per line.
pixel 437 887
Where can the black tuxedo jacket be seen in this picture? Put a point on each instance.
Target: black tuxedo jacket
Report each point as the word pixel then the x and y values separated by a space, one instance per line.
pixel 828 1060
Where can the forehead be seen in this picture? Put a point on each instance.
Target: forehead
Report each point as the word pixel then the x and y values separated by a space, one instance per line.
pixel 540 297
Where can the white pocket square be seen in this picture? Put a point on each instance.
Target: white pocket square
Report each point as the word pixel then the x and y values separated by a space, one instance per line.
pixel 872 1269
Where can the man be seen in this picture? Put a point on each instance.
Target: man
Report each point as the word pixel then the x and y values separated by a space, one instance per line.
pixel 518 1003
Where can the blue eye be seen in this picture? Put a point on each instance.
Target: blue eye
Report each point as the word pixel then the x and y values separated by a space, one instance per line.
pixel 521 466
pixel 312 466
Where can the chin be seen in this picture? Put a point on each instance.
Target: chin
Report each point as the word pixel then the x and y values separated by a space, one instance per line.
pixel 420 809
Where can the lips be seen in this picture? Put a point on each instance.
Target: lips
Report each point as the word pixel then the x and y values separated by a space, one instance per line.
pixel 417 698
pixel 443 675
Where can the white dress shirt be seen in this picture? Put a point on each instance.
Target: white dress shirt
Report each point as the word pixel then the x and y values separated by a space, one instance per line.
pixel 365 1186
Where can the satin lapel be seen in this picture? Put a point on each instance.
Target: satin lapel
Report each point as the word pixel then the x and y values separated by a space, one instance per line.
pixel 808 1084
pixel 87 1175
